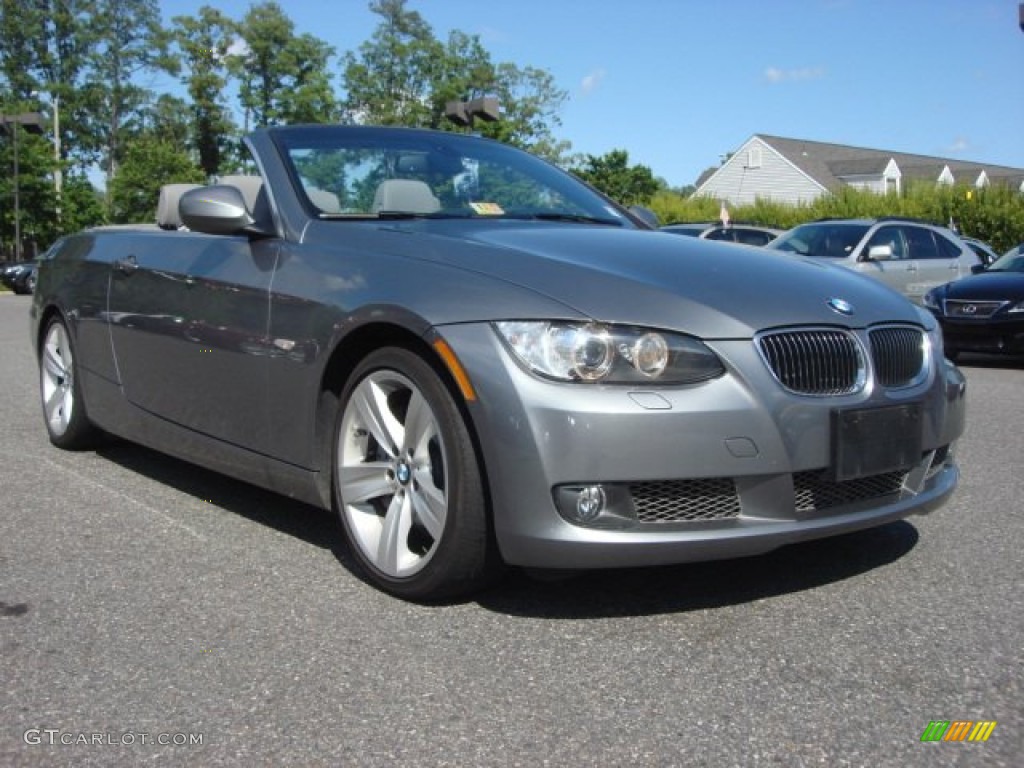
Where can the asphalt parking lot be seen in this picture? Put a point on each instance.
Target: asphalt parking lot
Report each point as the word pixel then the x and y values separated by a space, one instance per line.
pixel 153 612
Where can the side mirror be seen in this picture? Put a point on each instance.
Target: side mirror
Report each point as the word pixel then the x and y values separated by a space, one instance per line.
pixel 646 215
pixel 880 252
pixel 976 268
pixel 216 210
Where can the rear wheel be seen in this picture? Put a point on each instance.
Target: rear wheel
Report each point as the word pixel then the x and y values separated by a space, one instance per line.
pixel 63 407
pixel 407 480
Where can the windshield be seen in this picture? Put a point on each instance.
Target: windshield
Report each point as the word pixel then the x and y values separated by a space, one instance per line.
pixel 359 172
pixel 1009 262
pixel 821 239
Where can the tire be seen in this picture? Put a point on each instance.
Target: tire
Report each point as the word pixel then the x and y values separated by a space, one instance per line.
pixel 64 413
pixel 407 481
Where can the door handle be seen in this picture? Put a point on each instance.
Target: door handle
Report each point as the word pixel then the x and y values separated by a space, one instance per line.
pixel 127 266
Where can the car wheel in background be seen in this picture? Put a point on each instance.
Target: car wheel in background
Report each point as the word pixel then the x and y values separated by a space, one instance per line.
pixel 67 423
pixel 407 480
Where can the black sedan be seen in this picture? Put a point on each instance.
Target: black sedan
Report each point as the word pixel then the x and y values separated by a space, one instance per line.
pixel 983 312
pixel 20 277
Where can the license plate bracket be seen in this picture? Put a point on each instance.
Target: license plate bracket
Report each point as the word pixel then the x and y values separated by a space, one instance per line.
pixel 873 441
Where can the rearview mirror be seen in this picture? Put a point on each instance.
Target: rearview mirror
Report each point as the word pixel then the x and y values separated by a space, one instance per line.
pixel 216 210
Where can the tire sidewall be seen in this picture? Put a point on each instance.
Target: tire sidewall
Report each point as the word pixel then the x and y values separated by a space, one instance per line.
pixel 458 564
pixel 80 433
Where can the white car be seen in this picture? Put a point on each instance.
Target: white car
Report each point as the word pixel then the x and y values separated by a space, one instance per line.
pixel 909 256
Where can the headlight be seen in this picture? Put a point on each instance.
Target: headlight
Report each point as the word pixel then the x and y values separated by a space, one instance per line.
pixel 612 354
pixel 932 300
pixel 934 331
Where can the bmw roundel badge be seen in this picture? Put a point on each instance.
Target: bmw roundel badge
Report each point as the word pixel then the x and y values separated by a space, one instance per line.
pixel 841 306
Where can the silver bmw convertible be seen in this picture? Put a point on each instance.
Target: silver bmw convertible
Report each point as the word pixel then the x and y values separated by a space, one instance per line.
pixel 477 360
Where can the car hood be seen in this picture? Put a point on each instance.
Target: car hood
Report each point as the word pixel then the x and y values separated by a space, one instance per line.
pixel 987 286
pixel 710 289
pixel 654 279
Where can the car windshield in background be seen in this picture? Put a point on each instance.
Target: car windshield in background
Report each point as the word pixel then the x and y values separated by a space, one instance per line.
pixel 405 173
pixel 822 239
pixel 1010 262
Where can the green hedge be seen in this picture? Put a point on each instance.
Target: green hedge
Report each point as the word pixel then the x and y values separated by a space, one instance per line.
pixel 995 214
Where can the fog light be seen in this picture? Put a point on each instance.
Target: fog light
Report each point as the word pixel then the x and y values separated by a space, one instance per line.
pixel 590 503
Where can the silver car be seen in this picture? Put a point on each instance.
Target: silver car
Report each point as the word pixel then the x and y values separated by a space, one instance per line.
pixel 909 256
pixel 478 361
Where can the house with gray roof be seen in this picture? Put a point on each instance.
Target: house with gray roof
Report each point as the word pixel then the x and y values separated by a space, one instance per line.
pixel 795 170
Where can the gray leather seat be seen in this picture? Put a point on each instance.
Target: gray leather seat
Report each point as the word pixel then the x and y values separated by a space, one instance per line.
pixel 167 215
pixel 405 195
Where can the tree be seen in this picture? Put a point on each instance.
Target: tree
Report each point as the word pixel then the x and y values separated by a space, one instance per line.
pixel 404 75
pixel 282 77
pixel 612 174
pixel 392 79
pixel 21 28
pixel 129 40
pixel 81 203
pixel 530 103
pixel 36 212
pixel 149 163
pixel 204 42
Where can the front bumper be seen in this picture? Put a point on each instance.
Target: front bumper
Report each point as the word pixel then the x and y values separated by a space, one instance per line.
pixel 993 335
pixel 737 466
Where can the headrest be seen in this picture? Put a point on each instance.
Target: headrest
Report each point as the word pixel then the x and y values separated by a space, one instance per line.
pixel 249 186
pixel 326 201
pixel 405 195
pixel 167 215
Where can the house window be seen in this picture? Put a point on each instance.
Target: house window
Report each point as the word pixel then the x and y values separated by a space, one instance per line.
pixel 754 157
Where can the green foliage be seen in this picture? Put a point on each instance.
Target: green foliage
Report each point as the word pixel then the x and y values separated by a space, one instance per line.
pixel 148 164
pixel 128 39
pixel 283 77
pixel 612 174
pixel 994 214
pixel 37 205
pixel 404 75
pixel 391 80
pixel 82 205
pixel 204 42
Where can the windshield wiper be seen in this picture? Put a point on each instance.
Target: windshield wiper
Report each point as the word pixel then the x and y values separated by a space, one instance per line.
pixel 391 215
pixel 577 218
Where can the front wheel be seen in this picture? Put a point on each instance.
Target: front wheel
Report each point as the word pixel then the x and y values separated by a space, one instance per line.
pixel 67 423
pixel 407 480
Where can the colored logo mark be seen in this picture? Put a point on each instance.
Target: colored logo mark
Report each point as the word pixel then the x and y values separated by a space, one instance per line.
pixel 958 730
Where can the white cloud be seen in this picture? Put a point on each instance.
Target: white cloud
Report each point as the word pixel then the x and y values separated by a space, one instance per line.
pixel 776 75
pixel 591 81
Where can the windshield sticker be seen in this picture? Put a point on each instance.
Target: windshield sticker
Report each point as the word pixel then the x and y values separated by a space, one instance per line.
pixel 487 209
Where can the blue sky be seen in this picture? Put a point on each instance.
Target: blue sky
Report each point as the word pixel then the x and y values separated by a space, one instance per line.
pixel 678 83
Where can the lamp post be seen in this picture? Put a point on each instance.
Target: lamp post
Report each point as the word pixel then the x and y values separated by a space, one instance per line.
pixel 463 112
pixel 32 122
